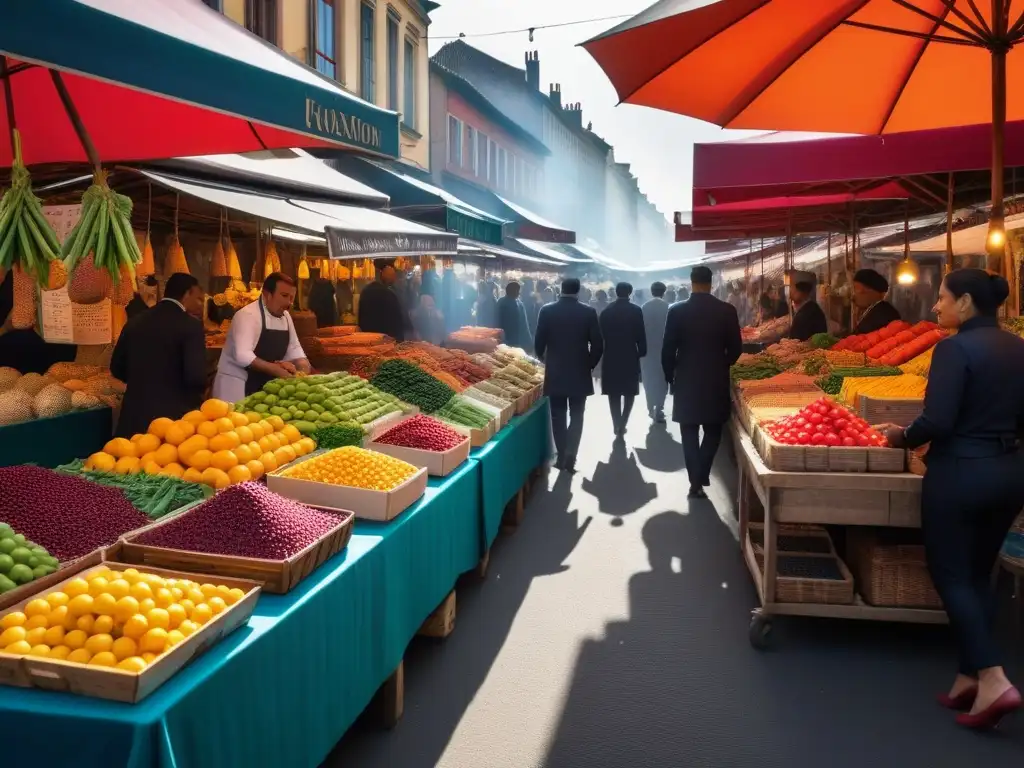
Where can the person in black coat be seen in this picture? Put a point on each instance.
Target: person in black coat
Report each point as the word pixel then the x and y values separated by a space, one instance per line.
pixel 138 304
pixel 322 301
pixel 625 342
pixel 808 317
pixel 974 489
pixel 512 319
pixel 380 310
pixel 161 357
pixel 869 289
pixel 702 341
pixel 569 342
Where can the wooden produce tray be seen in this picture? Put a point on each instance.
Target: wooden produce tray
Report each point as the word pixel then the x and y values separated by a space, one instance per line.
pixel 890 569
pixel 437 463
pixel 899 411
pixel 120 685
pixel 276 576
pixel 366 504
pixel 794 539
pixel 801 458
pixel 500 419
pixel 792 589
pixel 477 437
pixel 378 427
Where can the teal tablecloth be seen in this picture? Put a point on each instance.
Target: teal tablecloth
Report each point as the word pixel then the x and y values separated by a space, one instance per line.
pixel 55 441
pixel 507 460
pixel 282 690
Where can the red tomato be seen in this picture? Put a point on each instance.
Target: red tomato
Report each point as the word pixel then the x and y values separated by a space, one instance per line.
pixel 841 424
pixel 863 442
pixel 831 439
pixel 817 439
pixel 803 438
pixel 848 441
pixel 815 418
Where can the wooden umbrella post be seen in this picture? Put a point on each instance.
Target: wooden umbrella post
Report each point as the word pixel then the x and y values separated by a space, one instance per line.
pixel 76 120
pixel 949 223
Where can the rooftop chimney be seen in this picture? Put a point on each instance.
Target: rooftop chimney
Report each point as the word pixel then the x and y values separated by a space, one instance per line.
pixel 575 113
pixel 533 70
pixel 556 94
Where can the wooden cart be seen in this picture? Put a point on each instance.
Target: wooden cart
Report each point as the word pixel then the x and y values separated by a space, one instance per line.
pixel 821 498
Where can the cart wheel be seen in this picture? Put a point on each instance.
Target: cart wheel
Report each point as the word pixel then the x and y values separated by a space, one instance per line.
pixel 760 632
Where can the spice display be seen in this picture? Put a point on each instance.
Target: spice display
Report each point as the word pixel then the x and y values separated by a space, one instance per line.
pixel 338 435
pixel 153 495
pixel 411 384
pixel 117 619
pixel 424 433
pixel 21 560
pixel 824 423
pixel 832 384
pixel 246 520
pixel 68 516
pixel 904 386
pixel 354 467
pixel 920 365
pixel 459 411
pixel 895 344
pixel 486 397
pixel 763 369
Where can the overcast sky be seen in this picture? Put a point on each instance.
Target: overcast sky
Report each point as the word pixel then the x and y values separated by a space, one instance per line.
pixel 659 145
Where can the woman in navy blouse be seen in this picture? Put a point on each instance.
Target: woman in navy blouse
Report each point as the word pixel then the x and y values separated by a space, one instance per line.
pixel 974 487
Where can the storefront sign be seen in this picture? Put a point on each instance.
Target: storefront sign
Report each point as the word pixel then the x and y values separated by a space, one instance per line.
pixel 62 218
pixel 64 322
pixel 530 231
pixel 351 244
pixel 337 124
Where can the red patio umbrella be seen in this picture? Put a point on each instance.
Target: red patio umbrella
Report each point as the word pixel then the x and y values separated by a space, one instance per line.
pixel 850 66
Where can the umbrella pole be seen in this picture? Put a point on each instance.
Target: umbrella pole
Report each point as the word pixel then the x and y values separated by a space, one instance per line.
pixel 949 223
pixel 12 122
pixel 76 119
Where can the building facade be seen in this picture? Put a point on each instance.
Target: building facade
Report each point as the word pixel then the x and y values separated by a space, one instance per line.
pixel 377 49
pixel 655 234
pixel 622 198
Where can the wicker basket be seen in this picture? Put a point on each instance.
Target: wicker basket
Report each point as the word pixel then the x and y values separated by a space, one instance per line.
pixel 789 589
pixel 890 569
pixel 794 539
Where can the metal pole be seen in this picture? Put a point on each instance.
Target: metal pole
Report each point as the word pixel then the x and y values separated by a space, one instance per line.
pixel 949 223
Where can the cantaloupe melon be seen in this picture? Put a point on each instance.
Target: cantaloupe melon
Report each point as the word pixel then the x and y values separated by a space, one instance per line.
pixel 64 371
pixel 84 400
pixel 15 407
pixel 52 400
pixel 33 383
pixel 8 377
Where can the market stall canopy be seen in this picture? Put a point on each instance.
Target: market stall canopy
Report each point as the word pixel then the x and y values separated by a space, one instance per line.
pixel 417 199
pixel 549 251
pixel 597 256
pixel 290 169
pixel 525 223
pixel 491 251
pixel 156 79
pixel 351 232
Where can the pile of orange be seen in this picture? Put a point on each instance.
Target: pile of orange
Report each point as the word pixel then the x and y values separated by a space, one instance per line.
pixel 214 445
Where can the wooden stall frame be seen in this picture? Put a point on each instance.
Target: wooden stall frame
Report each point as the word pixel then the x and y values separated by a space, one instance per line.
pixel 900 493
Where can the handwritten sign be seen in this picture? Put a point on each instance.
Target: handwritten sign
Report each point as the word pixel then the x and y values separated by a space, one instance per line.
pixel 93 323
pixel 62 218
pixel 57 317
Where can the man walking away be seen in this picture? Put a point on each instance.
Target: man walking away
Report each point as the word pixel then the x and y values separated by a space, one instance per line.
pixel 702 340
pixel 512 318
pixel 625 345
pixel 655 313
pixel 569 342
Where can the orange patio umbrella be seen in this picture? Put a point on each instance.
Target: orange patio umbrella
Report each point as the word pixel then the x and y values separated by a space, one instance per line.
pixel 845 66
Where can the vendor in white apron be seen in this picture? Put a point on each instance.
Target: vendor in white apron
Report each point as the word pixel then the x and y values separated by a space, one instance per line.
pixel 261 343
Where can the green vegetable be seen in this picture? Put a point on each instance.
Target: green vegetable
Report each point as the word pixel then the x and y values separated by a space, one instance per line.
pixel 413 385
pixel 823 341
pixel 763 369
pixel 458 411
pixel 866 371
pixel 153 495
pixel 338 435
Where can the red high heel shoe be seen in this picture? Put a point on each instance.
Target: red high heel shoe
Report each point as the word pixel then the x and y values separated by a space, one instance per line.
pixel 962 702
pixel 989 717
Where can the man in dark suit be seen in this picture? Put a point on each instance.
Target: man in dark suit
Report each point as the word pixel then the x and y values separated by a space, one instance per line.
pixel 625 342
pixel 161 356
pixel 869 290
pixel 569 342
pixel 808 317
pixel 702 341
pixel 512 320
pixel 380 309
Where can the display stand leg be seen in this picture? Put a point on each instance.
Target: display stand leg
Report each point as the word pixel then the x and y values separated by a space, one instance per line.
pixel 743 503
pixel 481 568
pixel 389 702
pixel 513 516
pixel 441 622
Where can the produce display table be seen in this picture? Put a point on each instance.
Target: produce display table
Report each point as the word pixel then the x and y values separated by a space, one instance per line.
pixel 282 690
pixel 507 461
pixel 57 440
pixel 823 498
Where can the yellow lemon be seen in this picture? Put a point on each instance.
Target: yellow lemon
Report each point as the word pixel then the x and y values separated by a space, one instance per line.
pixel 224 424
pixel 190 446
pixel 54 636
pixel 194 417
pixel 225 441
pixel 217 604
pixel 151 467
pixel 258 429
pixel 187 627
pixel 238 419
pixel 128 465
pixel 208 590
pixel 36 622
pixel 273 441
pixel 186 605
pixel 207 429
pixel 98 585
pixel 275 421
pixel 75 639
pixel 147 443
pixel 192 476
pixel 119 587
pixel 158 618
pixel 12 619
pixel 57 599
pixel 177 592
pixel 37 607
pixel 253 417
pixel 131 575
pixel 125 608
pixel 101 462
pixel 132 664
pixel 217 478
pixel 255 468
pixel 177 614
pixel 140 590
pixel 244 454
pixel 154 641
pixel 166 454
pixel 284 455
pixel 245 434
pixel 174 469
pixel 200 460
pixel 158 427
pixel 136 626
pixel 268 460
pixel 12 635
pixel 85 623
pixel 104 625
pixel 35 636
pixel 120 447
pixel 233 596
pixel 19 648
pixel 76 587
pixel 223 460
pixel 174 637
pixel 290 432
pixel 195 594
pixel 59 617
pixel 163 597
pixel 59 652
pixel 179 432
pixel 104 604
pixel 103 659
pixel 147 605
pixel 39 650
pixel 201 614
pixel 79 656
pixel 215 409
pixel 239 474
pixel 98 643
pixel 80 605
pixel 123 647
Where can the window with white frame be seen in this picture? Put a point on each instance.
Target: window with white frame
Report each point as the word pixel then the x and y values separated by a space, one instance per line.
pixel 367 78
pixel 324 36
pixel 409 102
pixel 471 153
pixel 392 39
pixel 481 155
pixel 261 19
pixel 502 174
pixel 454 141
pixel 492 162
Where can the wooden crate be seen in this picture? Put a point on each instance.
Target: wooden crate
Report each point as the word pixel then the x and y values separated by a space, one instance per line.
pixel 797 533
pixel 441 622
pixel 366 504
pixel 899 411
pixel 276 576
pixel 437 463
pixel 790 589
pixel 889 570
pixel 812 458
pixel 120 685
